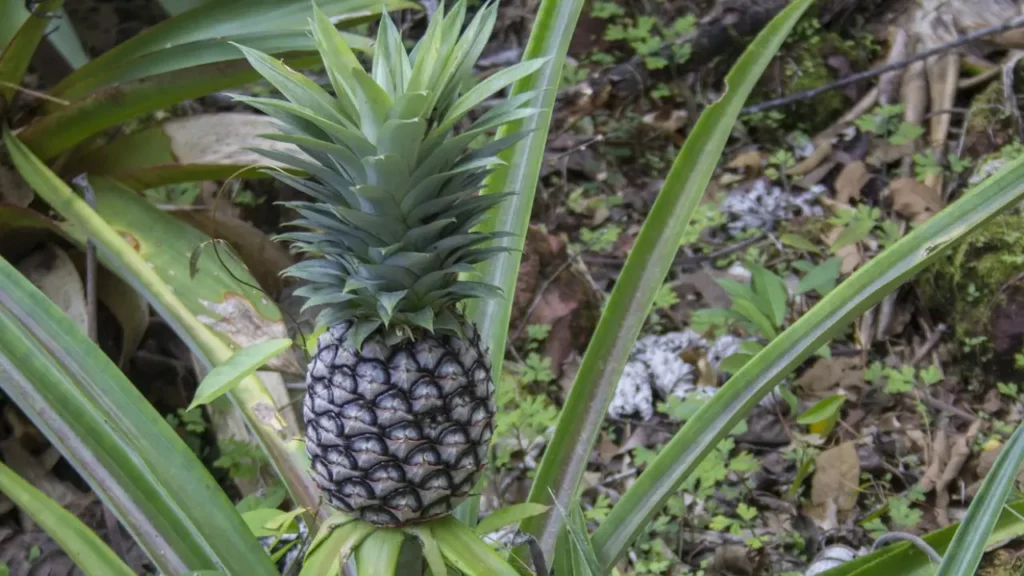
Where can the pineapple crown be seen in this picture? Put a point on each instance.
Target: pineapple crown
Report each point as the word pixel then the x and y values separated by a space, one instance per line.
pixel 393 203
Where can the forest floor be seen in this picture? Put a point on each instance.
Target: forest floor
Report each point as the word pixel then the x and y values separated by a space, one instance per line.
pixel 891 426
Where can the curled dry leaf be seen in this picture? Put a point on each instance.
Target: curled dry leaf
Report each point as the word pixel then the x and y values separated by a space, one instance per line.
pixel 852 255
pixel 850 181
pixel 938 455
pixel 128 307
pixel 835 485
pixel 913 200
pixel 827 376
pixel 732 559
pixel 822 150
pixel 667 120
pixel 22 230
pixel 749 161
pixel 13 189
pixel 989 452
pixel 551 292
pixel 222 138
pixel 958 454
pixel 883 152
pixel 54 274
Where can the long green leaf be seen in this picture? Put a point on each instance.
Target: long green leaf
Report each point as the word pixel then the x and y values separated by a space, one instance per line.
pixel 905 559
pixel 65 128
pixel 566 457
pixel 251 397
pixel 90 553
pixel 761 374
pixel 175 7
pixel 328 552
pixel 243 363
pixel 549 40
pixel 431 551
pixel 464 549
pixel 16 56
pixel 63 38
pixel 509 515
pixel 202 52
pixel 224 21
pixel 222 293
pixel 378 554
pixel 964 553
pixel 115 439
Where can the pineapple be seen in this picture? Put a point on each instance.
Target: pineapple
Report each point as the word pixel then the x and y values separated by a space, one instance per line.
pixel 399 401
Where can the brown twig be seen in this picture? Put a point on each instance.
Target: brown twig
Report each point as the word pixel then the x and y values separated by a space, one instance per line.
pixel 874 72
pixel 684 260
pixel 92 329
pixel 941 406
pixel 933 340
pixel 958 455
pixel 34 93
pixel 90 264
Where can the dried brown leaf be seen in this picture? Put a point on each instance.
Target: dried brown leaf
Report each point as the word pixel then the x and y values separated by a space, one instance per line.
pixel 914 200
pixel 836 479
pixel 749 161
pixel 223 138
pixel 822 150
pixel 884 152
pixel 850 181
pixel 828 376
pixel 13 189
pixel 938 454
pixel 667 120
pixel 852 255
pixel 817 175
pixel 958 455
pixel 53 272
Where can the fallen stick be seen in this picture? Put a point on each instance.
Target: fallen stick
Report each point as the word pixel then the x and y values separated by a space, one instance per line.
pixel 868 74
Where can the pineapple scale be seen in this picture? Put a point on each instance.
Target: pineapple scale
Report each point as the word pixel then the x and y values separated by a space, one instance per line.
pixel 397 434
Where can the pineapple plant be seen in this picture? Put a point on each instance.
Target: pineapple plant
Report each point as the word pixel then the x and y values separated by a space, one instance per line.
pixel 399 401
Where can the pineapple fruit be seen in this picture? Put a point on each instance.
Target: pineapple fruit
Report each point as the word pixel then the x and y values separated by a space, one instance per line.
pixel 399 401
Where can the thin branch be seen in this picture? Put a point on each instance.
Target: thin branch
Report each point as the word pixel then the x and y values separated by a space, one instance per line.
pixel 941 406
pixel 90 263
pixel 31 92
pixel 933 340
pixel 92 330
pixel 683 260
pixel 907 537
pixel 868 74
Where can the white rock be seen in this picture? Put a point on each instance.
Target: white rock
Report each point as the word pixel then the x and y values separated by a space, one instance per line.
pixel 656 369
pixel 725 346
pixel 830 558
pixel 662 355
pixel 761 206
pixel 633 396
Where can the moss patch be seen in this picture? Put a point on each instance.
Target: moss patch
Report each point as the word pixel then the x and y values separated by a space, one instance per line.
pixel 802 64
pixel 969 285
pixel 989 124
pixel 1002 563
